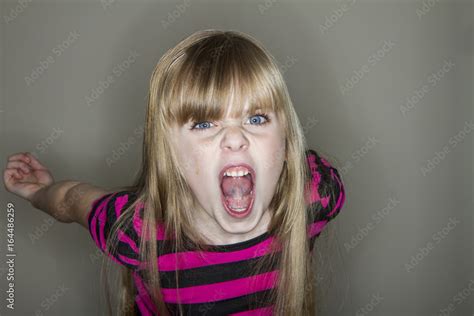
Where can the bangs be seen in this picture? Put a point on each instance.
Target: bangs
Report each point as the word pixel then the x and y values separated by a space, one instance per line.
pixel 217 75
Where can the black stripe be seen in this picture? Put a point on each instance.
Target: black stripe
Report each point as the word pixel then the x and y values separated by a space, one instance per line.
pixel 95 207
pixel 328 186
pixel 127 227
pixel 166 246
pixel 225 307
pixel 214 273
pixel 110 217
pixel 136 309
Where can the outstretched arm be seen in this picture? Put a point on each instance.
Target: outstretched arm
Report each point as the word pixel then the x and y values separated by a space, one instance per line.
pixel 66 201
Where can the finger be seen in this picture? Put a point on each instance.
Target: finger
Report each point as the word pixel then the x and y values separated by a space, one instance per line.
pixel 19 165
pixel 11 174
pixel 20 156
pixel 17 156
pixel 34 162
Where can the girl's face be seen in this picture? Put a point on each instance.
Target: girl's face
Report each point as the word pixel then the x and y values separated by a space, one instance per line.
pixel 205 148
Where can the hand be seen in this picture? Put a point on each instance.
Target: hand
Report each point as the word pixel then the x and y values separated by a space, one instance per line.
pixel 24 175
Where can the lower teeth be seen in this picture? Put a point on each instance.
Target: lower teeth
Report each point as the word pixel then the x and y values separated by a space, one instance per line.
pixel 237 209
pixel 242 209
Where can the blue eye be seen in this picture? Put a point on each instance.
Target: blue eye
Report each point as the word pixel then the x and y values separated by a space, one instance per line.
pixel 204 124
pixel 198 124
pixel 261 115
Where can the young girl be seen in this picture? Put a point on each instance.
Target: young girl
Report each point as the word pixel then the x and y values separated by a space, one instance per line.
pixel 223 215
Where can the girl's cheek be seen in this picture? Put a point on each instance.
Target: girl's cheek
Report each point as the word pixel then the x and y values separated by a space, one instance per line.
pixel 197 170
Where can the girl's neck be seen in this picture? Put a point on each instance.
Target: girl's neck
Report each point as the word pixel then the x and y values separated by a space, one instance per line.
pixel 216 235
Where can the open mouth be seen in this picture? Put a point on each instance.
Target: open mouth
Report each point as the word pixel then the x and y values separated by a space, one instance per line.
pixel 237 190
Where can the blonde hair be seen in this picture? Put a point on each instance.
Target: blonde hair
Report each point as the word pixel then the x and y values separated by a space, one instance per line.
pixel 195 80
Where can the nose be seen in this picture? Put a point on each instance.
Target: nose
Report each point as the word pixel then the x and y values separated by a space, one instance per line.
pixel 234 139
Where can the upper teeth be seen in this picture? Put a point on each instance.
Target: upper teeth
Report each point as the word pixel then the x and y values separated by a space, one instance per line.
pixel 239 173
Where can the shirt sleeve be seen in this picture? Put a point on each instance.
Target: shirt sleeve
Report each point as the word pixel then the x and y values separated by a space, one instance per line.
pixel 104 212
pixel 326 195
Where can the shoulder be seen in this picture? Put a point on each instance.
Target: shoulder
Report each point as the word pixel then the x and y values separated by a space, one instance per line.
pixel 105 212
pixel 111 205
pixel 326 185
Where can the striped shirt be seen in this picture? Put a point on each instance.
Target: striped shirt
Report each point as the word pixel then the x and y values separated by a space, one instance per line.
pixel 221 282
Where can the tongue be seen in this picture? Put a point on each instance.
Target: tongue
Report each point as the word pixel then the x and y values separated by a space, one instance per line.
pixel 237 191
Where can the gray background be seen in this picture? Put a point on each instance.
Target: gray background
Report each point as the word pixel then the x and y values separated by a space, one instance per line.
pixel 411 256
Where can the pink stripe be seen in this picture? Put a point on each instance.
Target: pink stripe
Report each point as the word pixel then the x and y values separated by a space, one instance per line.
pixel 312 159
pixel 109 255
pixel 93 226
pixel 137 221
pixel 101 217
pixel 143 292
pixel 143 310
pixel 194 259
pixel 124 238
pixel 317 227
pixel 138 224
pixel 119 203
pixel 341 197
pixel 325 162
pixel 264 311
pixel 221 290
